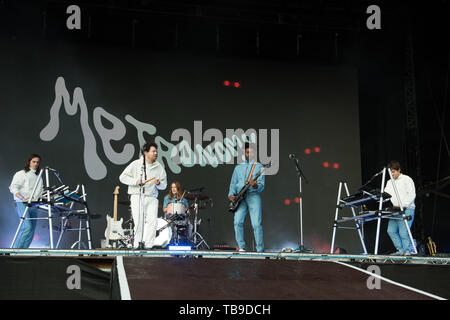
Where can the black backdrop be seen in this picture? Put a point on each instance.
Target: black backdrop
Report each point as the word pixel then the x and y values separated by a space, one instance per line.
pixel 332 44
pixel 311 106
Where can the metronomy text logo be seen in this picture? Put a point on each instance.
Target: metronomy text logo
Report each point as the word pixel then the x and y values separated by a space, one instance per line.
pixel 183 149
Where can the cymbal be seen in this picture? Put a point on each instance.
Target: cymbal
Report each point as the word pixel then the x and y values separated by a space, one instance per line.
pixel 199 196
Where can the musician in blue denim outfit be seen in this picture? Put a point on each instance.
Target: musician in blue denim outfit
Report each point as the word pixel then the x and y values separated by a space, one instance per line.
pixel 252 201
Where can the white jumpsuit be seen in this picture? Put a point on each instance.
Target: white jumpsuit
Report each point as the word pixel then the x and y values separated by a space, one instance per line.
pixel 146 218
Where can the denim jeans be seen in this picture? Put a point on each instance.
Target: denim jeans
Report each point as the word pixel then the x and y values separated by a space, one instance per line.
pixel 26 233
pixel 251 204
pixel 399 234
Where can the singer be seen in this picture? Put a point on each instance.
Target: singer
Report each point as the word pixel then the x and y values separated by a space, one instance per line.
pixel 144 195
pixel 252 203
pixel 21 187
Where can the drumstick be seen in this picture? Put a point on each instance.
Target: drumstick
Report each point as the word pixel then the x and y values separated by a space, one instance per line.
pixel 187 211
pixel 144 182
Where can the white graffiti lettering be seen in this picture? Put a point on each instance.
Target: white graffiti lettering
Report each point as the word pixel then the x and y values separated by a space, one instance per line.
pixel 187 151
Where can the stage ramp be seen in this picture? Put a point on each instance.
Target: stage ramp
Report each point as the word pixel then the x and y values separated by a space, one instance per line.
pixel 254 279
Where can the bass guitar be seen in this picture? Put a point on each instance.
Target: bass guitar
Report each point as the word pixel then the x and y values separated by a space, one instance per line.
pixel 234 204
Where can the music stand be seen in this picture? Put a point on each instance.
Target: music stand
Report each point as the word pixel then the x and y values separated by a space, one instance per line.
pixel 82 214
pixel 336 219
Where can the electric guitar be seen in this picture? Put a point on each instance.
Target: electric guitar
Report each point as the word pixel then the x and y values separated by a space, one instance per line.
pixel 234 204
pixel 114 230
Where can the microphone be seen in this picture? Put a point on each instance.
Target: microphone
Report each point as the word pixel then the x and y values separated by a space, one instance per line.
pixel 293 157
pixel 297 166
pixel 378 173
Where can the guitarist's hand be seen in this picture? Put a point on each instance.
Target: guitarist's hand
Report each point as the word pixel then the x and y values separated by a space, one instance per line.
pixel 232 197
pixel 254 184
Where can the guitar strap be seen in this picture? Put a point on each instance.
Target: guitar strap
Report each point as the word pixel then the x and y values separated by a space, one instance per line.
pixel 251 172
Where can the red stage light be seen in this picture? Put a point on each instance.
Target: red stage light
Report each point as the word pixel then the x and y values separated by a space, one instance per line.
pixel 317 149
pixel 307 151
pixel 326 164
pixel 226 83
pixel 297 200
pixel 287 202
pixel 336 165
pixel 236 84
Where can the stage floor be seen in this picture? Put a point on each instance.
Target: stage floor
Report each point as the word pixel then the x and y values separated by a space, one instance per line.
pixel 214 275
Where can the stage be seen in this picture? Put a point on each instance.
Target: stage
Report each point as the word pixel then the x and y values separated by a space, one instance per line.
pixel 221 275
pixel 119 112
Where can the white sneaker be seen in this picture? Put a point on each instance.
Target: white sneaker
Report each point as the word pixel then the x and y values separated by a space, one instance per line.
pixel 241 250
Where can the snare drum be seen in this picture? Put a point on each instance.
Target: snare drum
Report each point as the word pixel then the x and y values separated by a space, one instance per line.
pixel 176 207
pixel 165 233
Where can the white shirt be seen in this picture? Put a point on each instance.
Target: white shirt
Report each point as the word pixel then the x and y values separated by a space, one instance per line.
pixel 23 183
pixel 132 174
pixel 406 191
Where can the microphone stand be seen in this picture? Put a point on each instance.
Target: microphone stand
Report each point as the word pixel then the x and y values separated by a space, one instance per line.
pixel 141 194
pixel 300 174
pixel 371 179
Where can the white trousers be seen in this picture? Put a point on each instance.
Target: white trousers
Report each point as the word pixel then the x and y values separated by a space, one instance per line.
pixel 144 219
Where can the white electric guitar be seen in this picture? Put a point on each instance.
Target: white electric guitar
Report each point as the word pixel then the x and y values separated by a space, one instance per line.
pixel 114 230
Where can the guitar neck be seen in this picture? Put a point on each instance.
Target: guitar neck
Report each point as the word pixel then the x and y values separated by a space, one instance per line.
pixel 115 207
pixel 247 184
pixel 116 193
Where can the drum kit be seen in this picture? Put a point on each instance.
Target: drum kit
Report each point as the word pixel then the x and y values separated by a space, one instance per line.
pixel 179 226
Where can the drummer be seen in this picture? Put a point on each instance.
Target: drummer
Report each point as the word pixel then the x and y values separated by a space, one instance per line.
pixel 175 195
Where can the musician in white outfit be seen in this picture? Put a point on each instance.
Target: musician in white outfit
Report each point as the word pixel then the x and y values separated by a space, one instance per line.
pixel 406 192
pixel 22 188
pixel 144 194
